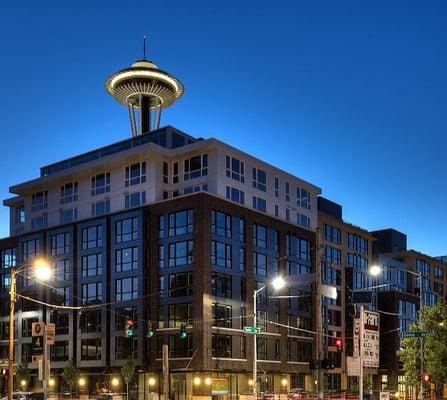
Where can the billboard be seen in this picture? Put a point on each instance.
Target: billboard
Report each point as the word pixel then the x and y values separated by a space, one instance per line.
pixel 371 339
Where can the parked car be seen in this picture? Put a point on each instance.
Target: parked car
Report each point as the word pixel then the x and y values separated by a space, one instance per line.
pixel 16 396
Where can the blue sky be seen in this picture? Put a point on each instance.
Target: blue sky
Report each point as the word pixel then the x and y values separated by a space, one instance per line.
pixel 348 95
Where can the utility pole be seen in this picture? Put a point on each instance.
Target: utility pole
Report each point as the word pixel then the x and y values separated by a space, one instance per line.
pixel 421 305
pixel 12 300
pixel 361 333
pixel 319 313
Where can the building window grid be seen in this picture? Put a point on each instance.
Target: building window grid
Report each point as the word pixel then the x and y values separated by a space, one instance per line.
pixel 195 167
pixel 259 179
pixel 126 259
pixel 236 195
pixel 39 201
pixel 126 230
pixel 222 315
pixel 69 193
pixel 180 223
pixel 221 224
pixel 126 289
pixel 180 253
pixel 235 169
pixel 91 237
pixel 100 184
pixel 221 254
pixel 135 174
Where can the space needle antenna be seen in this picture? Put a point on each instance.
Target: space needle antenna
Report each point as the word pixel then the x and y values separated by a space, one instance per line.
pixel 145 90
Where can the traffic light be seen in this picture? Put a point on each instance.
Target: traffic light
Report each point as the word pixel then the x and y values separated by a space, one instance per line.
pixel 128 327
pixel 150 330
pixel 183 332
pixel 327 364
pixel 426 378
pixel 338 343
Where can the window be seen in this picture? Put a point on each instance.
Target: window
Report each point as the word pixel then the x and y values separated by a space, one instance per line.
pixel 332 255
pixel 59 350
pixel 100 184
pixel 20 215
pixel 90 321
pixel 195 189
pixel 180 314
pixel 180 347
pixel 235 169
pixel 135 199
pixel 91 237
pixel 357 243
pixel 175 173
pixel 180 223
pixel 180 284
pixel 221 224
pixel 298 248
pixel 40 222
pixel 135 174
pixel 91 265
pixel 165 172
pixel 259 179
pixel 8 258
pixel 438 273
pixel 161 256
pixel 287 191
pixel 260 264
pixel 331 234
pixel 260 236
pixel 101 207
pixel 126 348
pixel 61 296
pixel 276 210
pixel 287 214
pixel 235 195
pixel 62 321
pixel 90 349
pixel 242 230
pixel 60 243
pixel 126 289
pixel 39 201
pixel 27 326
pixel 221 285
pixel 303 220
pixel 262 348
pixel 69 193
pixel 126 230
pixel 221 346
pixel 423 267
pixel 180 253
pixel 91 293
pixel 123 314
pixel 30 249
pixel 259 204
pixel 195 167
pixel 241 259
pixel 221 315
pixel 68 215
pixel 62 270
pixel 220 254
pixel 303 198
pixel 126 259
pixel 276 186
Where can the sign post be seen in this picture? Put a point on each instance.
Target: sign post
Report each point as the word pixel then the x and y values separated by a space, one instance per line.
pixel 252 329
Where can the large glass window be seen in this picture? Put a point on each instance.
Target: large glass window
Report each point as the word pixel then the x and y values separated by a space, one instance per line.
pixel 180 284
pixel 91 293
pixel 8 258
pixel 62 270
pixel 221 285
pixel 91 265
pixel 90 321
pixel 91 237
pixel 69 193
pixel 39 222
pixel 235 169
pixel 60 243
pixel 126 289
pixel 126 348
pixel 259 204
pixel 90 349
pixel 357 243
pixel 260 236
pixel 331 234
pixel 126 230
pixel 68 215
pixel 259 179
pixel 100 184
pixel 259 264
pixel 126 259
pixel 221 346
pixel 39 201
pixel 332 255
pixel 180 222
pixel 235 195
pixel 59 350
pixel 196 167
pixel 135 174
pixel 220 254
pixel 180 253
pixel 180 314
pixel 221 315
pixel 124 314
pixel 135 199
pixel 30 249
pixel 101 207
pixel 303 198
pixel 180 347
pixel 221 224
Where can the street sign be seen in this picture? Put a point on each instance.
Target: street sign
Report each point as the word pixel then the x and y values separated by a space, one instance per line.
pixel 51 332
pixel 37 345
pixel 37 329
pixel 353 366
pixel 361 296
pixel 252 329
pixel 414 334
pixel 371 339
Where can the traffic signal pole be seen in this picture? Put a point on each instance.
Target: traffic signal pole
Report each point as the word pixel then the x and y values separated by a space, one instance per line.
pixel 361 333
pixel 12 300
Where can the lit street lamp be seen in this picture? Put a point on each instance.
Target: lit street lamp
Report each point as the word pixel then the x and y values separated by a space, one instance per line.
pixel 42 272
pixel 277 283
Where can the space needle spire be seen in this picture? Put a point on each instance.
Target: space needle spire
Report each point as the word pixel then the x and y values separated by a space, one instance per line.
pixel 145 90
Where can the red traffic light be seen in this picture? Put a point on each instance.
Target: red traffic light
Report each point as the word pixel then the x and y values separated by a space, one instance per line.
pixel 426 378
pixel 129 324
pixel 338 343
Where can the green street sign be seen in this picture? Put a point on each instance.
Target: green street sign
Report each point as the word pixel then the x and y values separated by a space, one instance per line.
pixel 252 329
pixel 415 334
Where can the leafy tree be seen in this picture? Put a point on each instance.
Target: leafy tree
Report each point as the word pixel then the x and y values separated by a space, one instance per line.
pixel 22 372
pixel 70 375
pixel 434 323
pixel 128 372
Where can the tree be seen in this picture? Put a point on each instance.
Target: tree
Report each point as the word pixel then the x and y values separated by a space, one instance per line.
pixel 434 323
pixel 128 371
pixel 22 373
pixel 70 375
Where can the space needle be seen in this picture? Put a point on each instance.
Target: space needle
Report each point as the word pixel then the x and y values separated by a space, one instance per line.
pixel 145 90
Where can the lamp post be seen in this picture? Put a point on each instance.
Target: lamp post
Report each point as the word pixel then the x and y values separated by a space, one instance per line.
pixel 41 272
pixel 277 283
pixel 375 270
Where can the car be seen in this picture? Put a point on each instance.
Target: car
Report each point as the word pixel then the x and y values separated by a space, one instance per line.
pixel 16 396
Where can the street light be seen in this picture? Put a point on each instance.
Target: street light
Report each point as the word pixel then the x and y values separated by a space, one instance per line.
pixel 42 272
pixel 375 270
pixel 278 283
